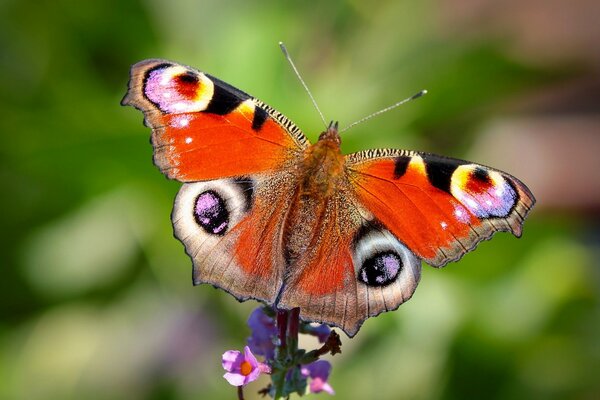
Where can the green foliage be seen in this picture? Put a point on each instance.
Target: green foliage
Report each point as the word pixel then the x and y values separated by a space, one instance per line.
pixel 97 301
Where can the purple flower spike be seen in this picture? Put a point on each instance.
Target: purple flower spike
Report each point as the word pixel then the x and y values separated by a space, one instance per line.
pixel 242 368
pixel 318 372
pixel 263 332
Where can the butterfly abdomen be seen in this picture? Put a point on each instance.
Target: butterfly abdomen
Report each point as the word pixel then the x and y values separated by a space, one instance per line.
pixel 320 172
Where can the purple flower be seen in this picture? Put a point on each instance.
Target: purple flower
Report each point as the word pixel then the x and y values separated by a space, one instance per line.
pixel 321 332
pixel 263 332
pixel 242 368
pixel 318 372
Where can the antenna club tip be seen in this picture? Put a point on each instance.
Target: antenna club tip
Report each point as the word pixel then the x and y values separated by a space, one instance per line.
pixel 421 93
pixel 283 49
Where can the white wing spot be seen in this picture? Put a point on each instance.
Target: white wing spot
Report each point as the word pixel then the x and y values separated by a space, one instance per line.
pixel 183 122
pixel 472 204
pixel 180 121
pixel 181 106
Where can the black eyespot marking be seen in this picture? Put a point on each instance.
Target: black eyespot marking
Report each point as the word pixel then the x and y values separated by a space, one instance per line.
pixel 400 166
pixel 188 77
pixel 211 213
pixel 247 186
pixel 381 269
pixel 440 169
pixel 225 98
pixel 260 117
pixel 480 175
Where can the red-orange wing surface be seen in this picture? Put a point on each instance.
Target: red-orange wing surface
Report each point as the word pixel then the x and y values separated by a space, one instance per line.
pixel 236 156
pixel 439 207
pixel 354 268
pixel 203 128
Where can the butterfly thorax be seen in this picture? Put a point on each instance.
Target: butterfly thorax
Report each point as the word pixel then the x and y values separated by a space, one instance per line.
pixel 321 171
pixel 322 165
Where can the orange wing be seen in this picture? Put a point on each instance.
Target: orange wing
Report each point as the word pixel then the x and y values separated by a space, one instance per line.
pixel 395 209
pixel 231 229
pixel 353 269
pixel 234 153
pixel 439 207
pixel 203 128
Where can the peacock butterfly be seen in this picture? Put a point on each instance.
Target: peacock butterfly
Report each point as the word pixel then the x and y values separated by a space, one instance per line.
pixel 266 215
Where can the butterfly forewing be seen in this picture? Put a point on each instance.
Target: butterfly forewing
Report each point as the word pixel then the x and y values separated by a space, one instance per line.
pixel 203 128
pixel 439 207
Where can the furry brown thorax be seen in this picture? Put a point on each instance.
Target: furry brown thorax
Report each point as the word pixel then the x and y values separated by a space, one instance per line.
pixel 323 164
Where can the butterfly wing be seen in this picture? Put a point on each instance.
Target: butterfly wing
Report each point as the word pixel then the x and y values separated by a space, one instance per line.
pixel 395 209
pixel 231 229
pixel 439 207
pixel 355 269
pixel 235 154
pixel 239 158
pixel 203 128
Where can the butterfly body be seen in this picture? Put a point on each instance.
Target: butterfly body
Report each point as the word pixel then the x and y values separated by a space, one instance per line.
pixel 266 215
pixel 323 165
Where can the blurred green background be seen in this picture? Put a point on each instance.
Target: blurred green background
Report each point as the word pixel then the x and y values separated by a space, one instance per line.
pixel 96 295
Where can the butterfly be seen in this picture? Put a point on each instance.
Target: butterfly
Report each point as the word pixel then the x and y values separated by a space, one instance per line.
pixel 266 215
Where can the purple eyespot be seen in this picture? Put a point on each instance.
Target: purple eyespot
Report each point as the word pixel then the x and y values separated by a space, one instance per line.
pixel 173 92
pixel 211 214
pixel 381 269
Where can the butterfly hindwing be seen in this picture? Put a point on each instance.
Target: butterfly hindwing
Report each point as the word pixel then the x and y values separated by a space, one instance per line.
pixel 203 128
pixel 439 207
pixel 231 229
pixel 354 269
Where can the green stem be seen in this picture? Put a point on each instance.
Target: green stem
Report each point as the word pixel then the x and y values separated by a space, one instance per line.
pixel 288 323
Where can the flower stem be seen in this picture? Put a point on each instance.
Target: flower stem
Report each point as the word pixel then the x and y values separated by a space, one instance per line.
pixel 240 392
pixel 294 323
pixel 282 321
pixel 278 378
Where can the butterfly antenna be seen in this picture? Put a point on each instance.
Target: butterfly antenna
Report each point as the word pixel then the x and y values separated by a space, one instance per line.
pixel 368 117
pixel 287 56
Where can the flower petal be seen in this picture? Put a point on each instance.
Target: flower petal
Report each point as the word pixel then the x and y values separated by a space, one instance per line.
pixel 263 332
pixel 317 369
pixel 327 388
pixel 318 372
pixel 322 331
pixel 235 379
pixel 248 356
pixel 232 360
pixel 252 376
pixel 264 368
